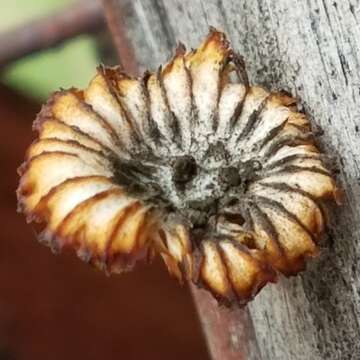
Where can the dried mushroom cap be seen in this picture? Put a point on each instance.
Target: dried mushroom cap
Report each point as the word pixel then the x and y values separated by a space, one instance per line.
pixel 222 179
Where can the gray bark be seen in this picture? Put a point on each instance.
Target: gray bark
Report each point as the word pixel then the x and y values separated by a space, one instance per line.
pixel 312 49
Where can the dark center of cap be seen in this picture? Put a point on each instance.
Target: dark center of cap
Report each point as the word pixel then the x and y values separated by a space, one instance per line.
pixel 184 169
pixel 230 175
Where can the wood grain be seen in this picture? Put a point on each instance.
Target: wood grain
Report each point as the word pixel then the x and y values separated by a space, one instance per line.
pixel 229 332
pixel 310 48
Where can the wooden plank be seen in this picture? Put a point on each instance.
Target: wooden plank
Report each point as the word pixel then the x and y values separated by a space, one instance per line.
pixel 229 333
pixel 310 48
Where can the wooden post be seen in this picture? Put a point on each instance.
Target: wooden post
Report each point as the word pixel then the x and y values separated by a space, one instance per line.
pixel 229 333
pixel 312 49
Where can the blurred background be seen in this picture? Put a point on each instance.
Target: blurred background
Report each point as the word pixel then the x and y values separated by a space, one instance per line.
pixel 57 307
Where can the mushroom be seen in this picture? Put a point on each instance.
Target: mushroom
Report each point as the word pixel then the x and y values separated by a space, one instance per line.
pixel 222 179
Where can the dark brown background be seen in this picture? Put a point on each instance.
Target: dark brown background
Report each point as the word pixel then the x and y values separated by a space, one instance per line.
pixel 56 307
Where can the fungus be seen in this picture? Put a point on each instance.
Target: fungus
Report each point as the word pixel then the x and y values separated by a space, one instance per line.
pixel 222 179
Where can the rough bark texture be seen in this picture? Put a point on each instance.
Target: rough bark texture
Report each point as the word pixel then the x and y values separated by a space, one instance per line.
pixel 310 48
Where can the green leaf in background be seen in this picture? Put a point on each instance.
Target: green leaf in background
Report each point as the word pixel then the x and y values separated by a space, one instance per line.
pixel 72 64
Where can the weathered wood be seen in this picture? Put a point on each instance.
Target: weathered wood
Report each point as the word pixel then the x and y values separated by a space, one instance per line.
pixel 312 49
pixel 115 23
pixel 229 333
